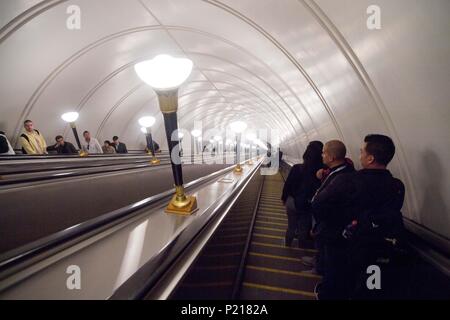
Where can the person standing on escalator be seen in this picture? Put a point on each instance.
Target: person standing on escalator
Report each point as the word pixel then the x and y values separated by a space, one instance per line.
pixel 300 186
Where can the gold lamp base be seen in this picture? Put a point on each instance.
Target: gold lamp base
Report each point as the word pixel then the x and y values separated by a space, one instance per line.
pixel 181 203
pixel 155 161
pixel 238 169
pixel 250 162
pixel 83 153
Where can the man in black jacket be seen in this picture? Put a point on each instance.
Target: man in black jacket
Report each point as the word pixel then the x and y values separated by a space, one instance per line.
pixel 330 219
pixel 119 146
pixel 63 147
pixel 367 193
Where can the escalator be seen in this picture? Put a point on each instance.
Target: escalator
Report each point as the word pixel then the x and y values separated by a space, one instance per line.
pixel 272 270
pixel 246 258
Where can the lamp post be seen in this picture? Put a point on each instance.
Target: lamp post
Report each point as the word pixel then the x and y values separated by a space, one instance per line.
pixel 165 74
pixel 238 127
pixel 71 117
pixel 251 137
pixel 200 146
pixel 147 123
pixel 194 145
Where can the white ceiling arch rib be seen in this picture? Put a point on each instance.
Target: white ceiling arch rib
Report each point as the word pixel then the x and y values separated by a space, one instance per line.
pixel 253 58
pixel 60 68
pixel 54 73
pixel 117 105
pixel 213 107
pixel 25 16
pixel 260 91
pixel 264 105
pixel 298 66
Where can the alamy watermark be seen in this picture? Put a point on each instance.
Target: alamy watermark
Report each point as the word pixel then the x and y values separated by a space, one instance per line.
pixel 73 282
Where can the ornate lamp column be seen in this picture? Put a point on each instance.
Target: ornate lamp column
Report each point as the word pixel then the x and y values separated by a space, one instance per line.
pixel 71 117
pixel 238 128
pixel 147 123
pixel 165 74
pixel 196 134
pixel 251 137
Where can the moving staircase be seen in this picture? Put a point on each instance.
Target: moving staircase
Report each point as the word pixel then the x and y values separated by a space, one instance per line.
pixel 246 258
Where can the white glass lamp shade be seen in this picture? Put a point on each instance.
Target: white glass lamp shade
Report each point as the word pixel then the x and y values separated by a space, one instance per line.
pixel 238 126
pixel 144 130
pixel 196 133
pixel 211 141
pixel 164 72
pixel 147 122
pixel 218 138
pixel 70 117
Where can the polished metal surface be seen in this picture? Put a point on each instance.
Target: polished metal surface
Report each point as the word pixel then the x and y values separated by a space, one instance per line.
pixel 109 258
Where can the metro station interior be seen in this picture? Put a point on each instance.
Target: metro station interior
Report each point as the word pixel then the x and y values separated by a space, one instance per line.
pixel 147 149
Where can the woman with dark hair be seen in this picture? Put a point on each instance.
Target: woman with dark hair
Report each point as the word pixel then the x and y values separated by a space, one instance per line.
pixel 299 188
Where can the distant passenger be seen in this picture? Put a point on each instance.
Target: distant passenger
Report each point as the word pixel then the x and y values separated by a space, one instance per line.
pixel 330 219
pixel 120 147
pixel 300 186
pixel 108 148
pixel 91 145
pixel 5 146
pixel 32 141
pixel 63 147
pixel 156 147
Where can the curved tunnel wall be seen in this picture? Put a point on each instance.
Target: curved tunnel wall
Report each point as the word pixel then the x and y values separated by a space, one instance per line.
pixel 311 69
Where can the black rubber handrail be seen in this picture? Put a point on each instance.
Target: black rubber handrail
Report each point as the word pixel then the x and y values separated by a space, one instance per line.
pixel 26 252
pixel 80 171
pixel 143 281
pixel 237 284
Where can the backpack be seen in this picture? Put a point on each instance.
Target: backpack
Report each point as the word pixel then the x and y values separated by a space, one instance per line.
pixel 378 231
pixel 23 135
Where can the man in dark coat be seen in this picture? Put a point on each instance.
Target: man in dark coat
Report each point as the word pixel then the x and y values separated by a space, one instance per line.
pixel 120 147
pixel 349 200
pixel 330 218
pixel 63 147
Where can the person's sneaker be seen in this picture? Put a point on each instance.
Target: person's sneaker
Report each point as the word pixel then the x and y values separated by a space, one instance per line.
pixel 309 261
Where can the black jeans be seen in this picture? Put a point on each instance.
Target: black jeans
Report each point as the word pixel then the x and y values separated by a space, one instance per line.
pixel 298 220
pixel 336 278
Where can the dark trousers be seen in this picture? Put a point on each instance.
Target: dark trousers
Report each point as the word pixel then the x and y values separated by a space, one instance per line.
pixel 335 281
pixel 320 256
pixel 298 221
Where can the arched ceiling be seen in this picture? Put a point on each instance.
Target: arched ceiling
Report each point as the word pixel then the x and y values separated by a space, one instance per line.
pixel 310 69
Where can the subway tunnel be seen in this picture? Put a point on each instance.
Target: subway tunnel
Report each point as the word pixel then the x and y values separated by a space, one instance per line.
pixel 294 71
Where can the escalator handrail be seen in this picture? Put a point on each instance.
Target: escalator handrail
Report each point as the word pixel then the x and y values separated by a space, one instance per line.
pixel 102 168
pixel 16 256
pixel 153 272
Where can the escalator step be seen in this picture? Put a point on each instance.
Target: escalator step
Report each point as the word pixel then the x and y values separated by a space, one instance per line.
pixel 253 291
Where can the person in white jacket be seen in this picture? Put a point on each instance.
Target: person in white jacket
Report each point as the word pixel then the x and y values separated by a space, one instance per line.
pixel 5 146
pixel 91 145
